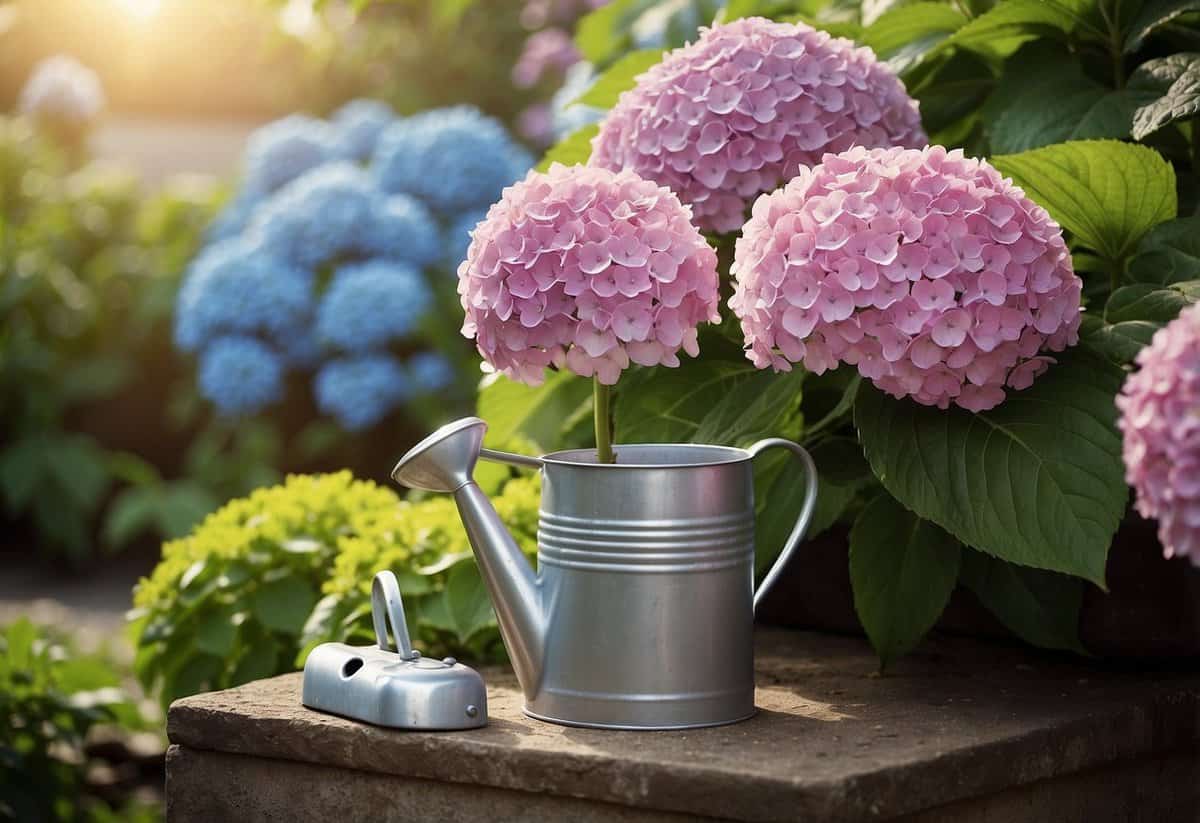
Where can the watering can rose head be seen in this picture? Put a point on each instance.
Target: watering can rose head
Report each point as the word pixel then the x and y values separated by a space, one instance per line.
pixel 588 270
pixel 735 113
pixel 1160 421
pixel 935 277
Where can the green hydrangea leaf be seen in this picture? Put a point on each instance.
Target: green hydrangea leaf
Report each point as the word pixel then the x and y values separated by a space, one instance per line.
pixel 573 150
pixel 537 413
pixel 603 34
pixel 1169 253
pixel 669 405
pixel 1154 15
pixel 905 35
pixel 902 569
pixel 1180 102
pixel 467 601
pixel 216 633
pixel 618 77
pixel 1040 607
pixel 1133 314
pixel 1038 480
pixel 1005 26
pixel 1044 97
pixel 284 605
pixel 1107 193
pixel 1117 342
pixel 1156 76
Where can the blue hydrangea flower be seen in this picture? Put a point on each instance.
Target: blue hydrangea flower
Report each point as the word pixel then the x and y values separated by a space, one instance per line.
pixel 361 391
pixel 430 372
pixel 369 305
pixel 451 159
pixel 62 90
pixel 400 228
pixel 318 217
pixel 240 375
pixel 565 118
pixel 300 349
pixel 458 237
pixel 359 124
pixel 234 217
pixel 233 287
pixel 281 151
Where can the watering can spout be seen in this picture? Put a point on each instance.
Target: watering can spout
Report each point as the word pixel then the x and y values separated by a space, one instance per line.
pixel 445 462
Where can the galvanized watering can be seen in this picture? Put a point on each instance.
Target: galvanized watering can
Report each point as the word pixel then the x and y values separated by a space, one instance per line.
pixel 641 613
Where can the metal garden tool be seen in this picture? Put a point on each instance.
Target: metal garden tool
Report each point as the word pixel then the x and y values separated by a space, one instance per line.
pixel 641 613
pixel 393 687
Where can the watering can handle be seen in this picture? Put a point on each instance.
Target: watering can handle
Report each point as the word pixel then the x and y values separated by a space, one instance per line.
pixel 806 510
pixel 388 607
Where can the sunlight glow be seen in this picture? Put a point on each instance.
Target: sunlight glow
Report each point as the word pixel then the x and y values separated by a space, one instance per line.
pixel 139 9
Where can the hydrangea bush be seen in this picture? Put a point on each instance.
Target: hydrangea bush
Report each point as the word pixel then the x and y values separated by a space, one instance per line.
pixel 327 263
pixel 932 283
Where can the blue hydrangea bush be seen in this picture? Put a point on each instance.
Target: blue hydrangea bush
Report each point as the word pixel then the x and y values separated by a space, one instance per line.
pixel 333 262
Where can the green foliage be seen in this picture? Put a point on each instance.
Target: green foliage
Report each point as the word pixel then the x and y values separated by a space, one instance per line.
pixel 51 696
pixel 618 78
pixel 1179 101
pixel 1108 194
pixel 1044 97
pixel 573 150
pixel 1038 480
pixel 610 31
pixel 903 570
pixel 1169 253
pixel 1132 315
pixel 268 576
pixel 88 270
pixel 540 414
pixel 1040 607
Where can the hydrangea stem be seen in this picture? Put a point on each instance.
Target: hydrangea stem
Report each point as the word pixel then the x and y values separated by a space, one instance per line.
pixel 602 410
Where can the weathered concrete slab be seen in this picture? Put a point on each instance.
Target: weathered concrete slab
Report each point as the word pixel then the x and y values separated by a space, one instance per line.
pixel 958 723
pixel 205 787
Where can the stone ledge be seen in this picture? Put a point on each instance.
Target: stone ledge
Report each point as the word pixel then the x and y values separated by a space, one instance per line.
pixel 956 722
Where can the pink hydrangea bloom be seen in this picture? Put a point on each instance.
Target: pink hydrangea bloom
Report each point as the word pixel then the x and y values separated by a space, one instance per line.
pixel 1160 418
pixel 586 269
pixel 740 110
pixel 547 51
pixel 935 277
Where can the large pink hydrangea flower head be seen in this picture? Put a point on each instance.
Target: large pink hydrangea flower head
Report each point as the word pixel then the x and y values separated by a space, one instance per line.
pixel 737 112
pixel 1160 420
pixel 938 279
pixel 586 269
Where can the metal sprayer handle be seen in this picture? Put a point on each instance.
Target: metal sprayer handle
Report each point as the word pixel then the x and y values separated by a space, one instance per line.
pixel 387 607
pixel 806 510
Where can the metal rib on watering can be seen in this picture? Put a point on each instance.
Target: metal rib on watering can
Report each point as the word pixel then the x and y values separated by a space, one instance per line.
pixel 641 614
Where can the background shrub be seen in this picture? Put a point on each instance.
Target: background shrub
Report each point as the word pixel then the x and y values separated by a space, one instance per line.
pixel 89 266
pixel 51 697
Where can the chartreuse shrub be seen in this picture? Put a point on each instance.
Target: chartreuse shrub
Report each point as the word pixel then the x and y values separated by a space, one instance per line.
pixel 268 576
pixel 51 696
